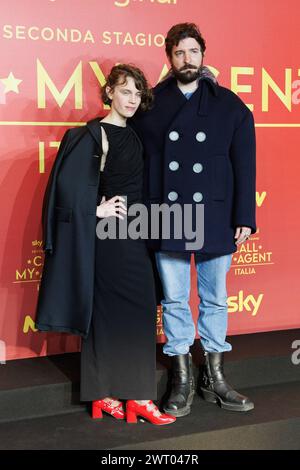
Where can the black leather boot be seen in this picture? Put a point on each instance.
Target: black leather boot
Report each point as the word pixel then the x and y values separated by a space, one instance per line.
pixel 215 389
pixel 183 386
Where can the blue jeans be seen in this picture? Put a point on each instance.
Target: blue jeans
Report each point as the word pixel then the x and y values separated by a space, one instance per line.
pixel 174 270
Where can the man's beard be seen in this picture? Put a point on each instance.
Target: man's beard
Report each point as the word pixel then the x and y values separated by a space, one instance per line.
pixel 185 76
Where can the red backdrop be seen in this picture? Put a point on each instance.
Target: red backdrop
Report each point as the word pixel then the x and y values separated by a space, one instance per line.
pixel 55 53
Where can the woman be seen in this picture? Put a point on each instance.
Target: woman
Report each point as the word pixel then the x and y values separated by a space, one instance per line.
pixel 118 358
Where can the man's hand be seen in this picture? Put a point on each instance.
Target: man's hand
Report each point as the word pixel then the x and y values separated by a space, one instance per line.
pixel 242 234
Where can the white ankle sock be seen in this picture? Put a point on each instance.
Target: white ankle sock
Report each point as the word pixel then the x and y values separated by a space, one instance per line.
pixel 142 402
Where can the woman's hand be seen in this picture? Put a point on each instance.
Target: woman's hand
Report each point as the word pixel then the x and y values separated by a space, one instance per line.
pixel 111 207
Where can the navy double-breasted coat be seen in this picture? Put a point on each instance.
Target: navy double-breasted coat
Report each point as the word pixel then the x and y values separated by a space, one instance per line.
pixel 201 150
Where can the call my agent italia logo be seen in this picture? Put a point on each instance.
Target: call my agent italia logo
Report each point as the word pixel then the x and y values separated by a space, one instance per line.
pixel 32 271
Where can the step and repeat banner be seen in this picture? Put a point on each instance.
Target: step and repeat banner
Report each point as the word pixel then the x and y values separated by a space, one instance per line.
pixel 54 56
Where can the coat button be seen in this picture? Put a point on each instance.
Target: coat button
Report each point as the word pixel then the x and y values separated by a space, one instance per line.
pixel 174 165
pixel 200 136
pixel 172 196
pixel 173 136
pixel 197 167
pixel 197 197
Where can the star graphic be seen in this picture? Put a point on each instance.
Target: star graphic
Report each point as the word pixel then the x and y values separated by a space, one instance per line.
pixel 11 83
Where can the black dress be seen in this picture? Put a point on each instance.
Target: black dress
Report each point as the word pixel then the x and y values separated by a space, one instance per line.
pixel 118 358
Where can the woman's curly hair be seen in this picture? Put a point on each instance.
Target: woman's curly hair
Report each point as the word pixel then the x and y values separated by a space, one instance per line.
pixel 118 76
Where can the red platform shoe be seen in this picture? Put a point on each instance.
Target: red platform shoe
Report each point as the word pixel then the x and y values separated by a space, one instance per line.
pixel 148 411
pixel 111 407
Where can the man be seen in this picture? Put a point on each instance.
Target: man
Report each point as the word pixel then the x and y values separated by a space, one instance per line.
pixel 199 141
